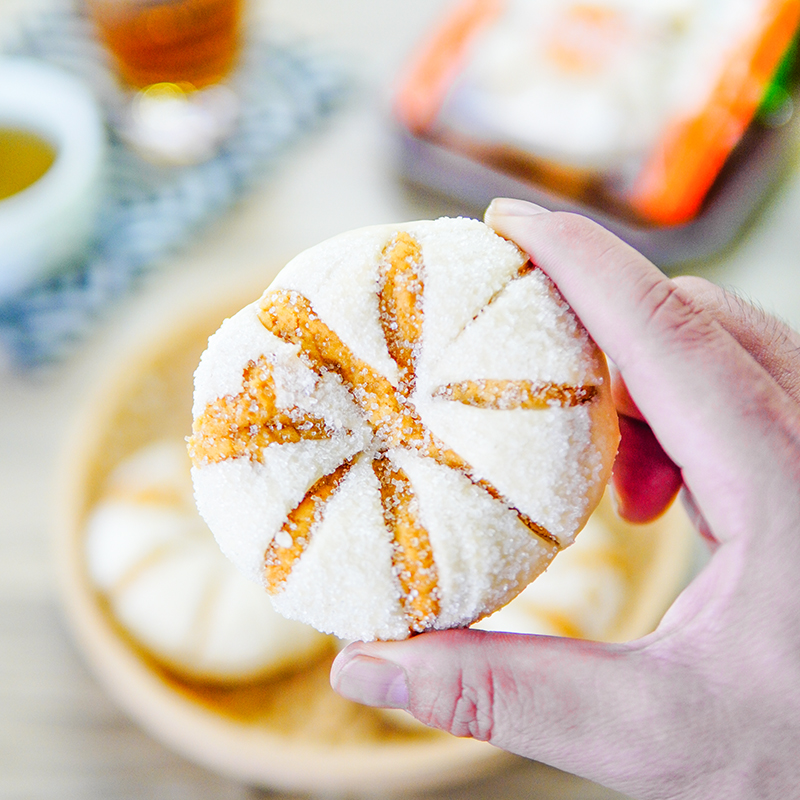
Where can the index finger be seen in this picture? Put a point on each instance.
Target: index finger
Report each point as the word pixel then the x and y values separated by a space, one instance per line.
pixel 716 412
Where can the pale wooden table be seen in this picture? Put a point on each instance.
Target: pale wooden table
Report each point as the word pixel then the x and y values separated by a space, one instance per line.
pixel 60 737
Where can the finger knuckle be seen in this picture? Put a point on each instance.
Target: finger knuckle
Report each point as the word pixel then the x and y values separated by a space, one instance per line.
pixel 669 310
pixel 466 710
pixel 473 713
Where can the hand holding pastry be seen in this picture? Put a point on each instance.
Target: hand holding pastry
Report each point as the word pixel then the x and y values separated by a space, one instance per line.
pixel 708 705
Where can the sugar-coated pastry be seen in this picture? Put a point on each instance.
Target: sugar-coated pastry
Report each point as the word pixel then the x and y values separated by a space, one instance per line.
pixel 402 432
pixel 154 559
pixel 582 594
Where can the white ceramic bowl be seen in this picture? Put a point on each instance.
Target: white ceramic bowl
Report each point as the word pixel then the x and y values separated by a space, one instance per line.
pixel 46 225
pixel 291 732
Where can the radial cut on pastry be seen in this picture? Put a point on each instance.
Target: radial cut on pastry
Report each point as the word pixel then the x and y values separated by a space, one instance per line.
pixel 403 431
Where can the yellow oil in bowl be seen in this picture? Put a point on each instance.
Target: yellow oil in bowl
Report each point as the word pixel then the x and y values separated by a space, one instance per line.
pixel 24 158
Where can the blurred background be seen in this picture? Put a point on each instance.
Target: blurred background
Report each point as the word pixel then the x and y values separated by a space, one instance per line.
pixel 137 179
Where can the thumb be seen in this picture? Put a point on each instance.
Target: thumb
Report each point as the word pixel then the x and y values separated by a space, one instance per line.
pixel 585 707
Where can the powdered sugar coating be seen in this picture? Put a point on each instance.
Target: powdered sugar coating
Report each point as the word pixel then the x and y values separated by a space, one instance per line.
pixel 582 593
pixel 338 277
pixel 250 500
pixel 344 582
pixel 475 541
pixel 487 316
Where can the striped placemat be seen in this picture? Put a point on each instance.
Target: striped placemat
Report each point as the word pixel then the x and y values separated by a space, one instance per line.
pixel 150 211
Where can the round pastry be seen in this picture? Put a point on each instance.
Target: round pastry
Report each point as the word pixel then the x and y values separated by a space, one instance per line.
pixel 403 431
pixel 166 582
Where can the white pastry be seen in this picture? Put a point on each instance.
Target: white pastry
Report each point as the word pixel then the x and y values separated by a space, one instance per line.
pixel 403 431
pixel 155 561
pixel 582 594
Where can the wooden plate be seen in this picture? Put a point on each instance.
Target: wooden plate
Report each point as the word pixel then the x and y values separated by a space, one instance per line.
pixel 291 732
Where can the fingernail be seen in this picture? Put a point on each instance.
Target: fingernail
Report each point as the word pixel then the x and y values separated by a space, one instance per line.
pixel 372 682
pixel 510 207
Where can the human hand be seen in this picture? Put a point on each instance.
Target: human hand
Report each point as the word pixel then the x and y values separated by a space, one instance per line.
pixel 709 704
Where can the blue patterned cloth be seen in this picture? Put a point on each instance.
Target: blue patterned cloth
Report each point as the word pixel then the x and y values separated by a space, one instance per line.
pixel 151 211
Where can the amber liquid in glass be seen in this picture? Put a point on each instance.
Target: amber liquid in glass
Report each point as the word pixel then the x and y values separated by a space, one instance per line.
pixel 24 158
pixel 157 41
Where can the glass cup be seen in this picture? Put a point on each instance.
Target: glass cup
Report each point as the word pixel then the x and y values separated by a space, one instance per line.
pixel 172 55
pixel 185 42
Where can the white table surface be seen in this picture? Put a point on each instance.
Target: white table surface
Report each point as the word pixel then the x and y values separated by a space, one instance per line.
pixel 60 737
